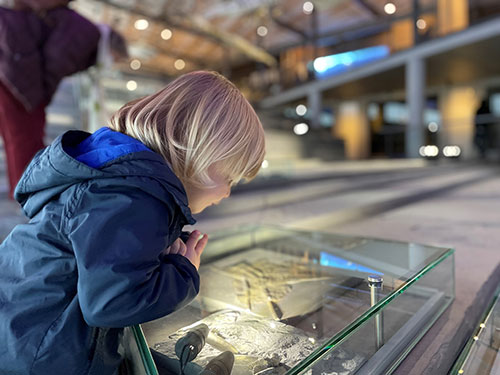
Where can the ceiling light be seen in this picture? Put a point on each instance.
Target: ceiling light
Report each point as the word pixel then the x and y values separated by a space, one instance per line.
pixel 141 24
pixel 301 109
pixel 166 34
pixel 179 64
pixel 262 31
pixel 131 85
pixel 135 64
pixel 308 7
pixel 433 127
pixel 421 24
pixel 390 8
pixel 301 129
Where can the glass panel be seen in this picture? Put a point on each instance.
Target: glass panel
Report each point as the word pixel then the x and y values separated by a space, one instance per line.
pixel 282 299
pixel 136 354
pixel 481 354
pixel 382 340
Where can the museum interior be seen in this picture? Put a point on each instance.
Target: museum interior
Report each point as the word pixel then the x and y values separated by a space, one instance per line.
pixel 368 241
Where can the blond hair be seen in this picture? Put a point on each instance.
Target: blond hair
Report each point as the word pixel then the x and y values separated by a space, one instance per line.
pixel 198 120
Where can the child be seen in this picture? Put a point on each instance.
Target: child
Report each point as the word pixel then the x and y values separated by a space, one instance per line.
pixel 102 249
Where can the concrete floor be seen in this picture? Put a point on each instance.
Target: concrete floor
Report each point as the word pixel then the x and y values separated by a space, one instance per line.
pixel 468 219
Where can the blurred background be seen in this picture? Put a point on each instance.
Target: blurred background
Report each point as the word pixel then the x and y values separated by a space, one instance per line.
pixel 381 117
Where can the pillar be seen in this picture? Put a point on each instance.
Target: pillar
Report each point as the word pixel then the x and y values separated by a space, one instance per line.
pixel 314 107
pixel 352 126
pixel 458 107
pixel 453 15
pixel 415 99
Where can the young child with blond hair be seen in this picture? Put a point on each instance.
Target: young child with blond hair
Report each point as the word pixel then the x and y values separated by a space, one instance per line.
pixel 103 247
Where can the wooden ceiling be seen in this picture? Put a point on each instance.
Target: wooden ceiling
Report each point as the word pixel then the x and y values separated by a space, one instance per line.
pixel 221 34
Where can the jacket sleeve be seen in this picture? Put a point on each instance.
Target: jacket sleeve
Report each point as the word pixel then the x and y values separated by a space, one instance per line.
pixel 123 277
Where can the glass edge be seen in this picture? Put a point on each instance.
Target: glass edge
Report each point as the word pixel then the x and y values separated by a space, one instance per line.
pixel 346 332
pixel 146 356
pixel 466 351
pixel 400 359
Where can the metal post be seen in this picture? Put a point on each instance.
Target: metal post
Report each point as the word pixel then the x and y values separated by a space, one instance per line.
pixel 415 99
pixel 314 107
pixel 416 15
pixel 375 283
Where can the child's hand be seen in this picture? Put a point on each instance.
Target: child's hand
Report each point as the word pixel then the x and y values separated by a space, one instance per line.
pixel 192 249
pixel 195 246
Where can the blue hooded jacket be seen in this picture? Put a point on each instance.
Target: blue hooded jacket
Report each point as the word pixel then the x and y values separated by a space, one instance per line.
pixel 102 209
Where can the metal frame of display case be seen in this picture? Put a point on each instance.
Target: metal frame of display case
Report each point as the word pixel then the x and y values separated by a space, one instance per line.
pixel 486 336
pixel 388 351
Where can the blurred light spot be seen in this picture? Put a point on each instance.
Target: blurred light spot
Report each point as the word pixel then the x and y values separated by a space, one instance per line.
pixel 135 64
pixel 476 338
pixel 301 129
pixel 452 151
pixel 179 64
pixel 265 164
pixel 272 325
pixel 421 24
pixel 461 371
pixel 482 325
pixel 433 127
pixel 312 340
pixel 141 24
pixel 428 151
pixel 262 31
pixel 308 7
pixel 131 85
pixel 301 109
pixel 390 8
pixel 340 62
pixel 166 34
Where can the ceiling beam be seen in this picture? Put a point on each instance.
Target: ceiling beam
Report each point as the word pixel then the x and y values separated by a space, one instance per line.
pixel 199 26
pixel 370 8
pixel 286 25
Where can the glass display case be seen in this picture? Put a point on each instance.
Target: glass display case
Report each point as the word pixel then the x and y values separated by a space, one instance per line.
pixel 296 302
pixel 480 355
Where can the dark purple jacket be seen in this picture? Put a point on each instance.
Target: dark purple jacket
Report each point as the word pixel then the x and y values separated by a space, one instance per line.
pixel 37 52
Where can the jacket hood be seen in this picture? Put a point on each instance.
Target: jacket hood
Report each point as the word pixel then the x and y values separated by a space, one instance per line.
pixel 77 156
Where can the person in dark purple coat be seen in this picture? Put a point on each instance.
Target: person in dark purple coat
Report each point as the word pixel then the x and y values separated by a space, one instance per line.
pixel 41 42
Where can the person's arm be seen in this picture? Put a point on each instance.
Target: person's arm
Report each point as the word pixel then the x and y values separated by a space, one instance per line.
pixel 37 5
pixel 123 276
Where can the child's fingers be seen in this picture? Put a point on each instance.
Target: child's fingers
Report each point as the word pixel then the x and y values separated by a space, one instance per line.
pixel 174 248
pixel 182 248
pixel 200 246
pixel 193 238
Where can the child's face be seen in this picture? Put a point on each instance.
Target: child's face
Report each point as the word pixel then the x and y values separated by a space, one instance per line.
pixel 201 198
